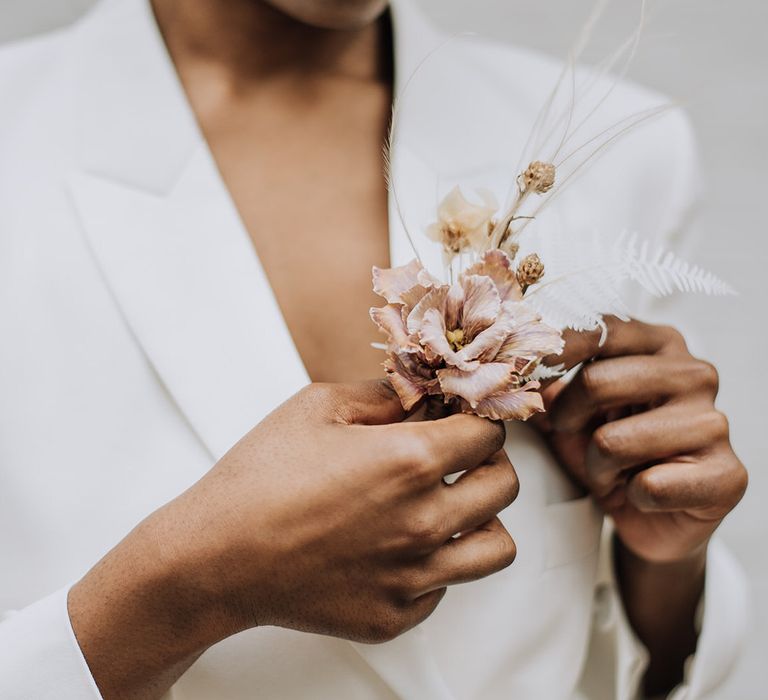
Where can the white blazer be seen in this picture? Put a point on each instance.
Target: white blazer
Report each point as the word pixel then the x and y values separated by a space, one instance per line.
pixel 132 309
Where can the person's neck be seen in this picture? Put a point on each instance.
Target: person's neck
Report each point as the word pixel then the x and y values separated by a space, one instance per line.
pixel 249 41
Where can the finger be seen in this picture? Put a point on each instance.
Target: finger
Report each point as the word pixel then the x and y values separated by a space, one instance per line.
pixel 627 381
pixel 365 403
pixel 710 487
pixel 648 437
pixel 459 442
pixel 621 338
pixel 423 606
pixel 472 556
pixel 480 494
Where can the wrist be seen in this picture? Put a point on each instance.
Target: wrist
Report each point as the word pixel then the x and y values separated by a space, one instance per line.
pixel 693 560
pixel 137 619
pixel 661 599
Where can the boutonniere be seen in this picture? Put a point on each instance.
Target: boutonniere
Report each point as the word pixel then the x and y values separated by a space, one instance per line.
pixel 474 334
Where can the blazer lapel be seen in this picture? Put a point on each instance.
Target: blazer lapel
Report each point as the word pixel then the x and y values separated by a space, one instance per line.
pixel 180 264
pixel 168 239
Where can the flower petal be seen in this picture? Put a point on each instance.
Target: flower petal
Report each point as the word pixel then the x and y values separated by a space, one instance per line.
pixel 391 283
pixel 486 344
pixel 454 304
pixel 457 210
pixel 433 338
pixel 481 305
pixel 478 384
pixel 389 319
pixel 433 299
pixel 410 379
pixel 530 337
pixel 407 391
pixel 519 403
pixel 413 296
pixel 497 265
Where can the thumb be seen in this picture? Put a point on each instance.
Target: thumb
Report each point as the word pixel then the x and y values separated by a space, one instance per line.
pixel 370 403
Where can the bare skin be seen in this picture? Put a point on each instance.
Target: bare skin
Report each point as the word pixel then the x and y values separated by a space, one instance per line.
pixel 638 428
pixel 296 129
pixel 369 558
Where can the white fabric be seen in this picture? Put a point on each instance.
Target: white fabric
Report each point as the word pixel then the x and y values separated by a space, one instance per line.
pixel 39 655
pixel 132 310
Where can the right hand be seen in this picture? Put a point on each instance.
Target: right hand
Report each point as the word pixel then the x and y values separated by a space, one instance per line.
pixel 331 516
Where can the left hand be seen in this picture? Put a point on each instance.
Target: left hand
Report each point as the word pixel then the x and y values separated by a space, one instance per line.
pixel 637 427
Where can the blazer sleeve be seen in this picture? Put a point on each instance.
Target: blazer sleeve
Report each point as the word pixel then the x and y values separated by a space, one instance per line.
pixel 616 659
pixel 39 654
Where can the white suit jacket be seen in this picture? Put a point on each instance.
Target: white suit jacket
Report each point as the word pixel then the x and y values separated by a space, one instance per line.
pixel 132 309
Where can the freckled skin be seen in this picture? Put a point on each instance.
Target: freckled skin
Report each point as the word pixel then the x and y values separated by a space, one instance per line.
pixel 296 130
pixel 369 557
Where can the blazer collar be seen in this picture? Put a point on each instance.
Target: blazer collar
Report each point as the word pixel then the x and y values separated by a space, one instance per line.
pixel 178 260
pixel 166 234
pixel 135 125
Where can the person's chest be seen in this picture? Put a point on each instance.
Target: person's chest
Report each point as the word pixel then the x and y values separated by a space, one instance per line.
pixel 306 175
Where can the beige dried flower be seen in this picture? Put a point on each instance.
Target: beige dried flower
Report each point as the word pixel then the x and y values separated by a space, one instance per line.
pixel 463 225
pixel 539 177
pixel 530 270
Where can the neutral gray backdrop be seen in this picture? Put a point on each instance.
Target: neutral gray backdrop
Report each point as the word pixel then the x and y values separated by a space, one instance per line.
pixel 713 55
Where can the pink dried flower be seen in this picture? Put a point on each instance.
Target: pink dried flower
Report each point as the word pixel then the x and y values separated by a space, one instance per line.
pixel 474 342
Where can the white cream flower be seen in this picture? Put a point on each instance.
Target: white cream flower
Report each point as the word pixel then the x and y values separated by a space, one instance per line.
pixel 463 225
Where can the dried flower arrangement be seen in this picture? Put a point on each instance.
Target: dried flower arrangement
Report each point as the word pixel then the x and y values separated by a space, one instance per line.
pixel 476 341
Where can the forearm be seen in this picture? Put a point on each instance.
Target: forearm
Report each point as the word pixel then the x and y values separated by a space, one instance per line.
pixel 661 601
pixel 139 624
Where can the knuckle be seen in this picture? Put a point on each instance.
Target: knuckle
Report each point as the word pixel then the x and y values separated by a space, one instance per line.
pixel 506 550
pixel 720 425
pixel 386 626
pixel 593 379
pixel 607 440
pixel 429 602
pixel 414 458
pixel 740 482
pixel 652 486
pixel 674 338
pixel 423 456
pixel 400 453
pixel 498 435
pixel 511 486
pixel 488 433
pixel 318 394
pixel 427 529
pixel 706 375
pixel 409 583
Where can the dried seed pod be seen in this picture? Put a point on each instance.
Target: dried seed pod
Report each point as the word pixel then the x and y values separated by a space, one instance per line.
pixel 530 270
pixel 539 177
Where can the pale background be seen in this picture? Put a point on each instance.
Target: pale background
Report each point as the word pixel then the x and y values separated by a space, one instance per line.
pixel 714 56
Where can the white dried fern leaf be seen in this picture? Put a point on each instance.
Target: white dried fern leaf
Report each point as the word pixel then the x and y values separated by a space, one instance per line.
pixel 587 278
pixel 542 372
pixel 662 272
